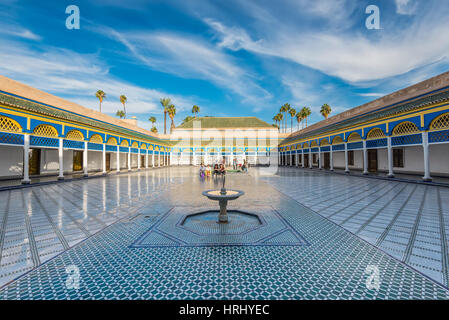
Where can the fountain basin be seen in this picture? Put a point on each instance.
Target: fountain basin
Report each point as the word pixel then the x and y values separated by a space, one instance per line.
pixel 223 196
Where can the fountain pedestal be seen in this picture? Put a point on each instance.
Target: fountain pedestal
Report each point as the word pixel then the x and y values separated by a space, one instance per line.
pixel 223 196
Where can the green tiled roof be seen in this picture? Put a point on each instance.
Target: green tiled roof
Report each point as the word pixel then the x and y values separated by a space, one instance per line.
pixel 26 105
pixel 227 122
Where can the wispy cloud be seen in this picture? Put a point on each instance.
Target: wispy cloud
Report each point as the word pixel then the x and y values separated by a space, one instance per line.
pixel 406 7
pixel 187 56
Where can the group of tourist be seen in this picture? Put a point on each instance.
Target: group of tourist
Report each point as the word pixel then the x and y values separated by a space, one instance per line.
pixel 219 168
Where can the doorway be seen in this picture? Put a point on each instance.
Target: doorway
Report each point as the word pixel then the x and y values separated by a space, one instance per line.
pixel 108 162
pixel 34 162
pixel 372 160
pixel 306 160
pixel 327 160
pixel 142 161
pixel 77 161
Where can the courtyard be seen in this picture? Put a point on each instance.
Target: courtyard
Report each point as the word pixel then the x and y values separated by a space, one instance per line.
pixel 317 235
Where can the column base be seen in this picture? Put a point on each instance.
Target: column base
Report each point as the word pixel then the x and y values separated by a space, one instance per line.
pixel 60 178
pixel 85 175
pixel 104 173
pixel 129 170
pixel 347 171
pixel 391 176
pixel 427 179
pixel 365 173
pixel 26 181
pixel 331 170
pixel 117 172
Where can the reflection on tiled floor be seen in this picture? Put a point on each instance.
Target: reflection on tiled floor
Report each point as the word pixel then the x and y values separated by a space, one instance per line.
pixel 40 222
pixel 334 265
pixel 408 221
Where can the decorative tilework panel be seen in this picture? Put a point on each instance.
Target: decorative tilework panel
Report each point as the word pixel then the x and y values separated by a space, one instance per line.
pixel 11 138
pixel 71 144
pixel 406 140
pixel 44 142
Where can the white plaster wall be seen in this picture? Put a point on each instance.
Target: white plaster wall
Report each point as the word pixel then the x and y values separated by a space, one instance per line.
pixel 67 160
pixel 439 159
pixel 134 159
pixel 11 161
pixel 49 161
pixel 358 160
pixel 123 161
pixel 94 161
pixel 339 159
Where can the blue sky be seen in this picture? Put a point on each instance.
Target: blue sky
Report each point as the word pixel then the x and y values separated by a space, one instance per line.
pixel 232 58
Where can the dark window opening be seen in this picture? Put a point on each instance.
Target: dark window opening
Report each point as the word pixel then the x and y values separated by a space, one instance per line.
pixel 351 158
pixel 398 158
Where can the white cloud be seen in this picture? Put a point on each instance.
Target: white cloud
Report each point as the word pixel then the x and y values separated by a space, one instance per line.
pixel 353 57
pixel 406 7
pixel 190 57
pixel 76 77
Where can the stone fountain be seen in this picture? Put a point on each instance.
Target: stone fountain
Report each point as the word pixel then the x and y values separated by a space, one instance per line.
pixel 223 196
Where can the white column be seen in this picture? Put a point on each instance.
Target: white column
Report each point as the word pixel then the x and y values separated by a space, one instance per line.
pixel 279 158
pixel 85 162
pixel 319 158
pixel 138 160
pixel 296 158
pixel 159 158
pixel 118 159
pixel 425 145
pixel 302 158
pixel 104 158
pixel 390 158
pixel 365 158
pixel 310 158
pixel 193 158
pixel 26 159
pixel 152 158
pixel 346 158
pixel 291 159
pixel 61 159
pixel 331 160
pixel 146 159
pixel 170 158
pixel 257 158
pixel 129 159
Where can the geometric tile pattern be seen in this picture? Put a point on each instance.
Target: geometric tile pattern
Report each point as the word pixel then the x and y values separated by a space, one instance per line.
pixel 335 264
pixel 184 226
pixel 408 221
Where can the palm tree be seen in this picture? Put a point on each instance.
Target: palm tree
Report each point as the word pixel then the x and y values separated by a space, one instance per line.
pixel 305 113
pixel 100 95
pixel 171 110
pixel 152 120
pixel 120 114
pixel 275 119
pixel 285 107
pixel 280 117
pixel 165 102
pixel 292 113
pixel 154 129
pixel 195 110
pixel 325 110
pixel 298 118
pixel 123 100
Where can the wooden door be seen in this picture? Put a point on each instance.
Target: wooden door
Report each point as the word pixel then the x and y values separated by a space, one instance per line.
pixel 327 160
pixel 34 162
pixel 306 160
pixel 108 162
pixel 77 160
pixel 142 161
pixel 372 160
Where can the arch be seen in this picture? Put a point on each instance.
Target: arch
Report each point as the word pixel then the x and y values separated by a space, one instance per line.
pixel 124 143
pixel 354 137
pixel 305 145
pixel 112 141
pixel 96 138
pixel 74 135
pixel 156 148
pixel 375 133
pixel 45 130
pixel 314 144
pixel 440 123
pixel 10 125
pixel 143 146
pixel 405 128
pixel 324 142
pixel 337 140
pixel 150 147
pixel 135 145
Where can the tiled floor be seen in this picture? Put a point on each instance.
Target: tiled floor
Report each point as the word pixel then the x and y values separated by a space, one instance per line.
pixel 112 214
pixel 408 221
